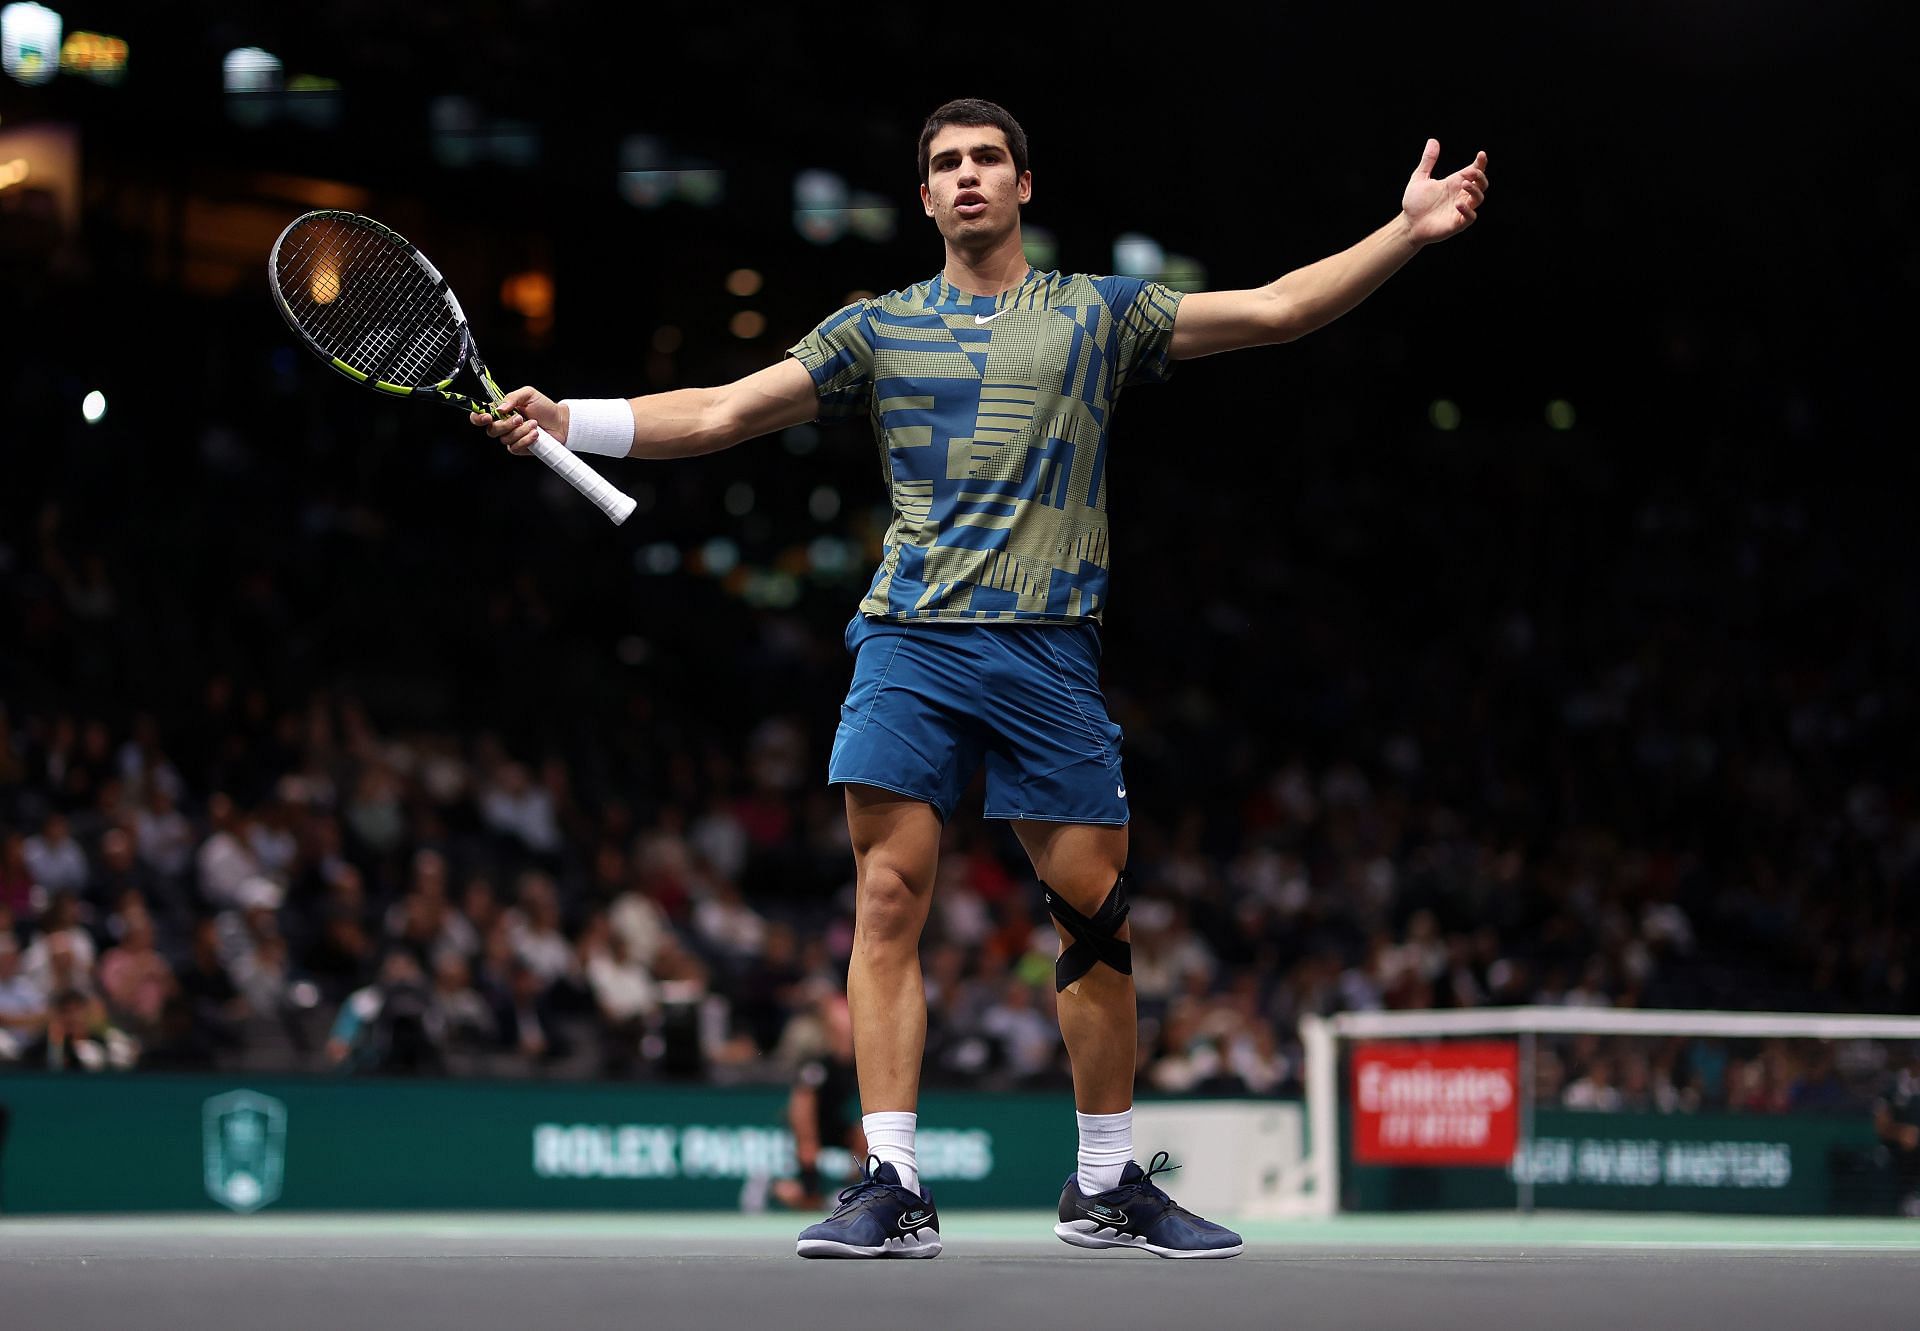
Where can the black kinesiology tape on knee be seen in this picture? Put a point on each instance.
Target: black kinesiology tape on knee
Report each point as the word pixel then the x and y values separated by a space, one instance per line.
pixel 1093 938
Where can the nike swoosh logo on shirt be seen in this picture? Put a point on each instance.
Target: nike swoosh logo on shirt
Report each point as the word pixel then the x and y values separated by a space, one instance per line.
pixel 989 318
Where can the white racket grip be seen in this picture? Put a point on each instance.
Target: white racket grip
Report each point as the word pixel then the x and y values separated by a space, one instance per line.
pixel 582 477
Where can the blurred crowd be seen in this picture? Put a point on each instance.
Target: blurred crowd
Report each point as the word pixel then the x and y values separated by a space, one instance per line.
pixel 255 885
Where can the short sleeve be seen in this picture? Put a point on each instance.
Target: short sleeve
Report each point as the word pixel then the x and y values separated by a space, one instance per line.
pixel 839 356
pixel 1144 313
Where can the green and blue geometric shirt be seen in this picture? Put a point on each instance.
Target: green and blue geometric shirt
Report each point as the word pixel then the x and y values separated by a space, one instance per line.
pixel 993 415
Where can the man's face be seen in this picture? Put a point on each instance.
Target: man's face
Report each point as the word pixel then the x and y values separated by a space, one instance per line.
pixel 972 192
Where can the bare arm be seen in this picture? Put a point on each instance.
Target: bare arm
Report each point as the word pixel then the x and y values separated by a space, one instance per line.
pixel 1314 296
pixel 681 424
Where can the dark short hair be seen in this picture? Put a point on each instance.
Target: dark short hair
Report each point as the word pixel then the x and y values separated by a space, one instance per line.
pixel 973 111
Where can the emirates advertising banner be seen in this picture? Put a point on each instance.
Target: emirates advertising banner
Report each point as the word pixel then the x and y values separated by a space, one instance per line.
pixel 1436 1104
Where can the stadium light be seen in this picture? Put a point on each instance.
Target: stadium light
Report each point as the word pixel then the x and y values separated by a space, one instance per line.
pixel 872 217
pixel 659 559
pixel 312 100
pixel 462 134
pixel 1135 255
pixel 94 55
pixel 250 77
pixel 250 69
pixel 719 557
pixel 1041 245
pixel 650 175
pixel 30 43
pixel 1184 273
pixel 820 206
pixel 829 555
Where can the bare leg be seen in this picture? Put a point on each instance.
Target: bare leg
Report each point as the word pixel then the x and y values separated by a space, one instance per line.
pixel 1097 1015
pixel 896 846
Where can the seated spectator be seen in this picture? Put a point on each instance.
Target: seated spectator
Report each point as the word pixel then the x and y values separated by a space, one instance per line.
pixel 623 990
pixel 534 925
pixel 179 1044
pixel 16 879
pixel 55 859
pixel 514 807
pixel 468 1017
pixel 277 1000
pixel 340 958
pixel 62 955
pixel 480 910
pixel 23 1004
pixel 526 1019
pixel 78 1037
pixel 135 979
pixel 636 917
pixel 771 986
pixel 225 860
pixel 392 1025
pixel 118 875
pixel 164 836
pixel 1029 1039
pixel 216 1002
pixel 1595 1089
pixel 731 931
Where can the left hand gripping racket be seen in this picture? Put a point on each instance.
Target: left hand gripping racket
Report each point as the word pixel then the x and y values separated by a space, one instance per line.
pixel 370 305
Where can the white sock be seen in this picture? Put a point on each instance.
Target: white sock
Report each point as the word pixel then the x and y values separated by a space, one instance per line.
pixel 1106 1144
pixel 890 1136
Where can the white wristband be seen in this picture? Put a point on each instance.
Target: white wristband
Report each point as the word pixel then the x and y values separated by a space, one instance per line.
pixel 602 425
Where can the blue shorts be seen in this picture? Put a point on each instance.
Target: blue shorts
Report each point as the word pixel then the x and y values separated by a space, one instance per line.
pixel 930 701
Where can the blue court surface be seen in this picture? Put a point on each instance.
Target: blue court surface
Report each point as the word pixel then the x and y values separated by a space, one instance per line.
pixel 1001 1269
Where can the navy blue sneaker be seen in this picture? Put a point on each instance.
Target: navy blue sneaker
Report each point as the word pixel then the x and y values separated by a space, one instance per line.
pixel 878 1217
pixel 1137 1214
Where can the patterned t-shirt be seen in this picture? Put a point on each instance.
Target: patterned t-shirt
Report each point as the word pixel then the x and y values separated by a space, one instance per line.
pixel 993 416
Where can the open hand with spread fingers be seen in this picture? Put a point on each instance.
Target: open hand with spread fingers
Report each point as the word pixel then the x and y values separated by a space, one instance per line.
pixel 1436 209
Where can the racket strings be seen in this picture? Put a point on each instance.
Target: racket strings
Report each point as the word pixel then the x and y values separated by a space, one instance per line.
pixel 356 284
pixel 337 301
pixel 388 329
pixel 319 284
pixel 366 301
pixel 344 294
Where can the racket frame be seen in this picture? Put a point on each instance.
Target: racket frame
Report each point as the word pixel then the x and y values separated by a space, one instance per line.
pixel 549 450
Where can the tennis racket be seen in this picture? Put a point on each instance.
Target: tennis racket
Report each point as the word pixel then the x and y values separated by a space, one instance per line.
pixel 370 305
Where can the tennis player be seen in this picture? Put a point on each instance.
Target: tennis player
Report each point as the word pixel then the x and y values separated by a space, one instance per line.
pixel 990 388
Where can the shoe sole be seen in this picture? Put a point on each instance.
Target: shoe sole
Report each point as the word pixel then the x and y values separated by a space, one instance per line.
pixel 1092 1234
pixel 909 1246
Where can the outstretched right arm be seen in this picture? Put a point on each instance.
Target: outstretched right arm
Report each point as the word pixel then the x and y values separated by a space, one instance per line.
pixel 681 424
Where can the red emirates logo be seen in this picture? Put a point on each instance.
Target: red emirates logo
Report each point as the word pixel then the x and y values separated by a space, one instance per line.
pixel 1447 1104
